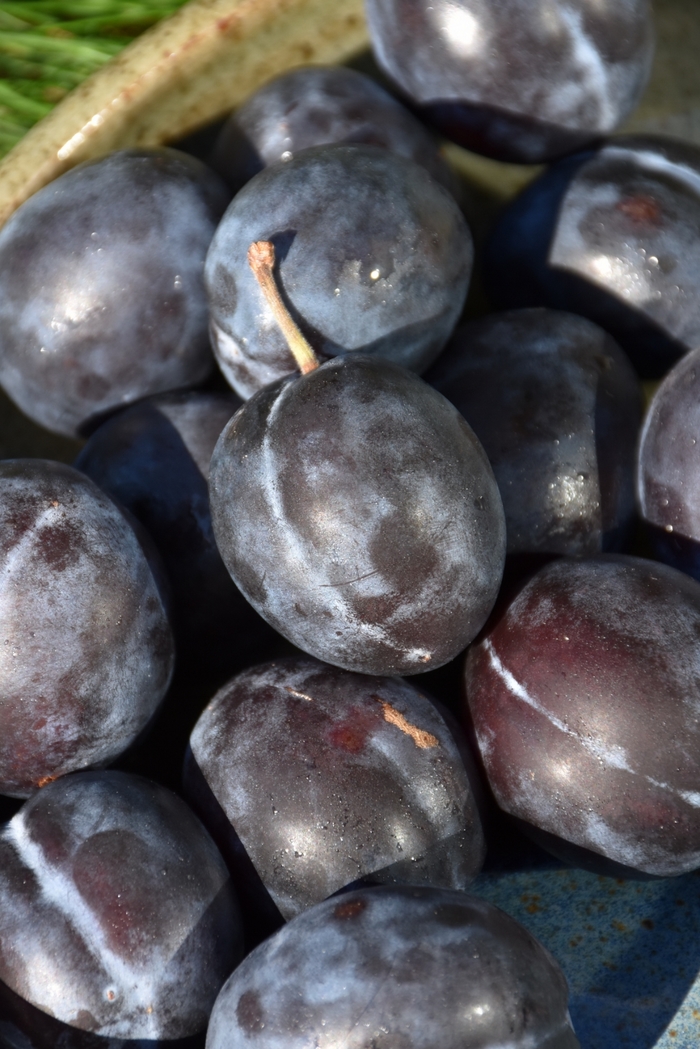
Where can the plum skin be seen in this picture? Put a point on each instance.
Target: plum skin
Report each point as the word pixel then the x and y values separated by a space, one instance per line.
pixel 373 256
pixel 102 287
pixel 396 968
pixel 329 777
pixel 583 698
pixel 557 407
pixel 87 651
pixel 118 915
pixel 519 82
pixel 384 528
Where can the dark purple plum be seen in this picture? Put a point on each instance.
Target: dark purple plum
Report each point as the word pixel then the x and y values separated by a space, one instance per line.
pixel 102 298
pixel 584 701
pixel 117 914
pixel 396 968
pixel 86 651
pixel 668 468
pixel 358 513
pixel 154 459
pixel 328 777
pixel 557 407
pixel 517 81
pixel 316 106
pixel 373 256
pixel 613 235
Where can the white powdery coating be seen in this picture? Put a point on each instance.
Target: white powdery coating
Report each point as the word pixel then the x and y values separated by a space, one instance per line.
pixel 333 814
pixel 393 972
pixel 610 754
pixel 83 938
pixel 493 54
pixel 396 570
pixel 652 264
pixel 130 982
pixel 657 164
pixel 85 649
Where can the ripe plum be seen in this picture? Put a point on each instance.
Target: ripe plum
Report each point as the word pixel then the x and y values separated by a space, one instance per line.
pixel 87 652
pixel 384 530
pixel 668 467
pixel 102 298
pixel 557 407
pixel 329 777
pixel 154 458
pixel 584 700
pixel 373 256
pixel 396 967
pixel 117 914
pixel 316 106
pixel 518 81
pixel 613 235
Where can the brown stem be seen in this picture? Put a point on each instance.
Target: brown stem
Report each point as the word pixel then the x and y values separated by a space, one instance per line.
pixel 261 259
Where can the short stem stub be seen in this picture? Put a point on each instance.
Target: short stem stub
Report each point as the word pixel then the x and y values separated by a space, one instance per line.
pixel 261 259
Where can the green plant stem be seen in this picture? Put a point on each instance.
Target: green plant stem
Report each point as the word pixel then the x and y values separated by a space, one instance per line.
pixel 48 47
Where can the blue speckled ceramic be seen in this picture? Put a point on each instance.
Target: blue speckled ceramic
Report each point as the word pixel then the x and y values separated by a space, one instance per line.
pixel 630 950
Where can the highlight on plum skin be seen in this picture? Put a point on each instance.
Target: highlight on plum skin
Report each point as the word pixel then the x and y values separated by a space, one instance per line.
pixel 520 82
pixel 557 407
pixel 373 256
pixel 86 650
pixel 118 916
pixel 399 966
pixel 102 296
pixel 583 698
pixel 613 235
pixel 328 777
pixel 668 468
pixel 315 106
pixel 385 535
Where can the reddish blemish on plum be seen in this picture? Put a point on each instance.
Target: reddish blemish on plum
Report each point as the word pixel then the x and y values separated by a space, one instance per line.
pixel 642 208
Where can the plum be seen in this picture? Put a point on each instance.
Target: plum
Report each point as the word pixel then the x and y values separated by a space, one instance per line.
pixel 584 700
pixel 399 968
pixel 86 652
pixel 117 915
pixel 329 777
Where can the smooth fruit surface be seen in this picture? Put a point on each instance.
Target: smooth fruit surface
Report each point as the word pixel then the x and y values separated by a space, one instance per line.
pixel 584 699
pixel 522 82
pixel 117 913
pixel 373 256
pixel 86 650
pixel 330 777
pixel 557 407
pixel 404 967
pixel 358 513
pixel 102 296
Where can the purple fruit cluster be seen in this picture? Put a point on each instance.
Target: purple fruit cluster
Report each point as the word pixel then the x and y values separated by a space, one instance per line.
pixel 279 665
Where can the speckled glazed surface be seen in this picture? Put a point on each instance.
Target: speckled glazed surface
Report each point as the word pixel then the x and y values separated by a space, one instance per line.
pixel 630 950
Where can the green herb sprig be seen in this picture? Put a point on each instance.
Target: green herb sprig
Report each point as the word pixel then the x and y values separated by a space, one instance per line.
pixel 48 47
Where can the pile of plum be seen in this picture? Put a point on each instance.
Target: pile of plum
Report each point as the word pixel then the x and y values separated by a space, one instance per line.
pixel 232 807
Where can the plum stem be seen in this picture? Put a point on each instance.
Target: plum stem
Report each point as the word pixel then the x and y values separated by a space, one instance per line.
pixel 261 259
